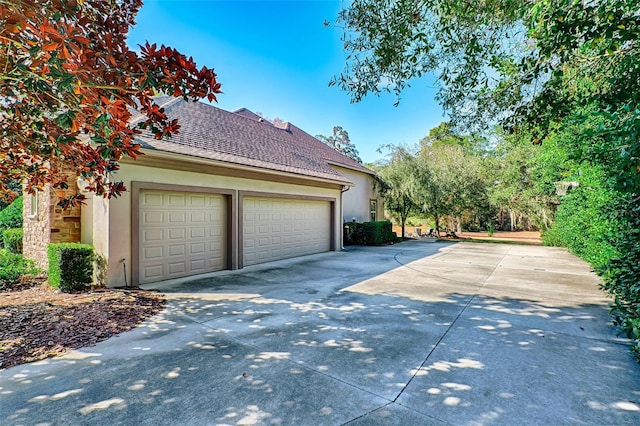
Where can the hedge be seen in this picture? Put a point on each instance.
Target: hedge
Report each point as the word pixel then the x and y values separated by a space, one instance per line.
pixel 12 239
pixel 370 233
pixel 70 266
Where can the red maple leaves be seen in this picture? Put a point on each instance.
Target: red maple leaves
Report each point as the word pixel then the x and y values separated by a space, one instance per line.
pixel 69 85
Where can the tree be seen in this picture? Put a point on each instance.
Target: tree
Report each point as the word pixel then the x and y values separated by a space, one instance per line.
pixel 495 59
pixel 340 142
pixel 69 85
pixel 444 135
pixel 398 184
pixel 451 184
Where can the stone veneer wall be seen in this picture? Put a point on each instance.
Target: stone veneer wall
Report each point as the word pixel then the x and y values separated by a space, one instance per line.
pixel 51 224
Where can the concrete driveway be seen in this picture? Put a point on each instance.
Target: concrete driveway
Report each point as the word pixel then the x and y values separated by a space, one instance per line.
pixel 412 334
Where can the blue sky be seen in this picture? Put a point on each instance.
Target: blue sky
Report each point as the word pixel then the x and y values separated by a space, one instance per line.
pixel 277 58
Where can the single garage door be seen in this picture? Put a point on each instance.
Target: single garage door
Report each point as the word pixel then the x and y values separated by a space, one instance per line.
pixel 275 228
pixel 181 234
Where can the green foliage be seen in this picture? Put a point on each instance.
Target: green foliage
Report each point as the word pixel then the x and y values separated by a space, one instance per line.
pixel 371 233
pixel 70 266
pixel 13 267
pixel 450 185
pixel 398 183
pixel 621 277
pixel 340 142
pixel 376 233
pixel 11 216
pixel 586 221
pixel 12 239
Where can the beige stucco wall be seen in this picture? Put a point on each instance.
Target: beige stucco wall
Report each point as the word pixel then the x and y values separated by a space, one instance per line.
pixel 355 201
pixel 112 219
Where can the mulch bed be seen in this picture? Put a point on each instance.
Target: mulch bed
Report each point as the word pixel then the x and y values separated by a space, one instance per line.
pixel 39 322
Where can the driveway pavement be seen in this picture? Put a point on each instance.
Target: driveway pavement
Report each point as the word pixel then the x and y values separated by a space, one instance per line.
pixel 412 334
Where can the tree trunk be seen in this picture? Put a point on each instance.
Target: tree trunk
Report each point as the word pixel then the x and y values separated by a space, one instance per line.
pixel 436 219
pixel 512 218
pixel 403 219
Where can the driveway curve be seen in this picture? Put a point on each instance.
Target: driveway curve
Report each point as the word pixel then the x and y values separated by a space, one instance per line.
pixel 417 333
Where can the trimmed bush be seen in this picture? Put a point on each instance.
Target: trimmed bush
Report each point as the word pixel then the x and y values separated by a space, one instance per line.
pixel 12 239
pixel 12 268
pixel 371 233
pixel 376 233
pixel 70 266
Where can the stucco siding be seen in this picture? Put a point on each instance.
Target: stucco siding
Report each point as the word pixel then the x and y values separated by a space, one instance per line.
pixel 113 222
pixel 356 201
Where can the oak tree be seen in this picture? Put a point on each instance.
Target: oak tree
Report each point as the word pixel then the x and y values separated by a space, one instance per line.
pixel 69 86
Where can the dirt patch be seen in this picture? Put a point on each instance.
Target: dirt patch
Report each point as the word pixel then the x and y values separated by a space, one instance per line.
pixel 524 237
pixel 38 322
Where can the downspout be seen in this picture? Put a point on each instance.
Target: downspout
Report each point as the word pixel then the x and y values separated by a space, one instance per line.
pixel 344 189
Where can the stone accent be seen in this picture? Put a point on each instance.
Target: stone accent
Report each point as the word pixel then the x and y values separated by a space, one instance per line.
pixel 50 223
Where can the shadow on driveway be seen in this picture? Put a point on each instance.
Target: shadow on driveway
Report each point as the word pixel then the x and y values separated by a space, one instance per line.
pixel 416 333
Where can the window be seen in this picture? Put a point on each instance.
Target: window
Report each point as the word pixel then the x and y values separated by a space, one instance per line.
pixel 373 209
pixel 33 211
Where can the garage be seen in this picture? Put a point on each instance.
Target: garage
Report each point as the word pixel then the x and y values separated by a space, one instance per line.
pixel 280 228
pixel 181 234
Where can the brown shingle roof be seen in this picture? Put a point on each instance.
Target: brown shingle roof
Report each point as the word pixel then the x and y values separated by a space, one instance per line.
pixel 244 138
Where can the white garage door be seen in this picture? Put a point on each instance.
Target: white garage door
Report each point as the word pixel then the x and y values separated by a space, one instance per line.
pixel 181 234
pixel 276 228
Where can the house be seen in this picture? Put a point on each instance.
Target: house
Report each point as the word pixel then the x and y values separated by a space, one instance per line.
pixel 230 190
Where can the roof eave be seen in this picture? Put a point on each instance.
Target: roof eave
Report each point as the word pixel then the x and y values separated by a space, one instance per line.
pixel 153 153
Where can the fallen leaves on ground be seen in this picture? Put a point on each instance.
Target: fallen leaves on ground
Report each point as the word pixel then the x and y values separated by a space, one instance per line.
pixel 39 323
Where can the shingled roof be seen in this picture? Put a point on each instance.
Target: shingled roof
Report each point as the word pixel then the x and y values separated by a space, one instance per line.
pixel 244 138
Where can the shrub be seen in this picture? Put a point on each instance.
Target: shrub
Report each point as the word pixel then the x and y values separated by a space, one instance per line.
pixel 12 239
pixel 588 221
pixel 371 233
pixel 11 216
pixel 12 268
pixel 70 266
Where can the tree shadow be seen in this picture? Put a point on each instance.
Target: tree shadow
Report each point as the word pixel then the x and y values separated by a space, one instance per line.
pixel 275 353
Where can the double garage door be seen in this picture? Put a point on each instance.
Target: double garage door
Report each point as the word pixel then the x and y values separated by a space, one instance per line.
pixel 183 234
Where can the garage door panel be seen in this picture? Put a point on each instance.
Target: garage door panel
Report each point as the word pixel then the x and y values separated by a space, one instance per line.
pixel 176 200
pixel 153 252
pixel 181 234
pixel 197 248
pixel 280 228
pixel 150 235
pixel 173 234
pixel 176 218
pixel 176 250
pixel 177 268
pixel 197 201
pixel 153 199
pixel 149 218
pixel 152 273
pixel 197 233
pixel 198 265
pixel 197 217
